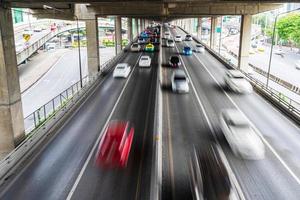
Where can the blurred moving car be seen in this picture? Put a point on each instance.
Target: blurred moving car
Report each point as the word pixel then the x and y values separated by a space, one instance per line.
pixel 115 145
pixel 240 135
pixel 167 35
pixel 236 81
pixel 170 43
pixel 178 38
pixel 122 70
pixel 297 64
pixel 174 61
pixel 187 51
pixel 188 37
pixel 135 47
pixel 209 177
pixel 179 81
pixel 149 47
pixel 145 61
pixel 141 41
pixel 199 48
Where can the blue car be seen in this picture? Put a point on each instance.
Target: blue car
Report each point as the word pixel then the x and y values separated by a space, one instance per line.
pixel 187 51
pixel 144 35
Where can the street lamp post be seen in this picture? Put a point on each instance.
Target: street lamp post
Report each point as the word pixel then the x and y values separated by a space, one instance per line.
pixel 79 49
pixel 273 38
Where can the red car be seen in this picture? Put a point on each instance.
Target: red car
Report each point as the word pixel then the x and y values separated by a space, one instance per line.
pixel 115 145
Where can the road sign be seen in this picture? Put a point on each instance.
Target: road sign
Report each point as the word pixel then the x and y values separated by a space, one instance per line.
pixel 26 37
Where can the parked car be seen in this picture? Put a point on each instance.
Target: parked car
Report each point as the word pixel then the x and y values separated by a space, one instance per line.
pixel 135 47
pixel 199 48
pixel 236 81
pixel 208 174
pixel 145 61
pixel 115 145
pixel 179 81
pixel 149 47
pixel 178 38
pixel 174 61
pixel 240 135
pixel 122 70
pixel 37 29
pixel 188 37
pixel 187 51
pixel 170 43
pixel 27 32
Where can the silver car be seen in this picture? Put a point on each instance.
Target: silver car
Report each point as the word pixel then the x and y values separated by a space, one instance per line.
pixel 236 81
pixel 170 43
pixel 179 81
pixel 135 47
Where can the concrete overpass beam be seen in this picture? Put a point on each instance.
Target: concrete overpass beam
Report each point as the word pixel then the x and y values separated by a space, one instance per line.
pixel 245 40
pixel 11 112
pixel 92 46
pixel 214 22
pixel 118 34
pixel 129 29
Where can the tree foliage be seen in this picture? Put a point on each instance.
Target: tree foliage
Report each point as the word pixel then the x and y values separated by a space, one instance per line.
pixel 288 28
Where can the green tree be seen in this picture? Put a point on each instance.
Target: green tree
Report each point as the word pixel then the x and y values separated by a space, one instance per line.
pixel 288 28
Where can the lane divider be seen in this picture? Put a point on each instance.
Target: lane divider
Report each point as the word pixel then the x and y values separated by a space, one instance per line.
pixel 101 133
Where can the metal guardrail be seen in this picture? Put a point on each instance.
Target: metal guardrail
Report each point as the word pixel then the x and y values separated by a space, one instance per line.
pixel 42 120
pixel 289 104
pixel 38 117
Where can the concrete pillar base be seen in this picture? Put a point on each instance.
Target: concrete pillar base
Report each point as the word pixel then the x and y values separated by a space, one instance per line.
pixel 92 46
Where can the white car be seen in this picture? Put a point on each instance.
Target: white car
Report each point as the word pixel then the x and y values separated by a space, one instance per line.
pixel 170 43
pixel 236 81
pixel 279 52
pixel 37 29
pixel 167 35
pixel 145 61
pixel 122 70
pixel 27 32
pixel 179 81
pixel 178 38
pixel 135 47
pixel 188 37
pixel 241 136
pixel 199 48
pixel 297 65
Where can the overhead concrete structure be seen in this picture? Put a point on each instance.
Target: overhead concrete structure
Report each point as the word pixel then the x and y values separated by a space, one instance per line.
pixel 158 9
pixel 118 34
pixel 11 112
pixel 245 40
pixel 92 46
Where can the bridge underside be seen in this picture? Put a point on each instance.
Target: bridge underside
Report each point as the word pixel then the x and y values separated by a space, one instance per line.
pixel 155 9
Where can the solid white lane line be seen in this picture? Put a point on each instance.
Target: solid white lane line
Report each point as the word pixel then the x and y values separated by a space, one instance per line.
pixel 258 132
pixel 230 171
pixel 100 135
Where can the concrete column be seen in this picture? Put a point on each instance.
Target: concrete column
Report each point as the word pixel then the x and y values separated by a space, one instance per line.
pixel 245 40
pixel 92 46
pixel 11 112
pixel 199 28
pixel 129 29
pixel 214 22
pixel 118 34
pixel 137 26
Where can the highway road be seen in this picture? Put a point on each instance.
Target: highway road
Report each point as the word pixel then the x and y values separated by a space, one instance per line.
pixel 275 177
pixel 64 168
pixel 52 172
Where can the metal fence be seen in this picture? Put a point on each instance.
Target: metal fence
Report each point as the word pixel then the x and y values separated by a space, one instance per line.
pixel 48 110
